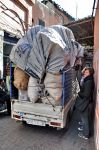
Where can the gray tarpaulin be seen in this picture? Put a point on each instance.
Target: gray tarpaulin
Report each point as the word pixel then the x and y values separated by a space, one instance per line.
pixel 46 49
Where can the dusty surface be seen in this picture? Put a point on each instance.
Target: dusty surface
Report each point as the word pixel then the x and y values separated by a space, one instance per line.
pixel 15 136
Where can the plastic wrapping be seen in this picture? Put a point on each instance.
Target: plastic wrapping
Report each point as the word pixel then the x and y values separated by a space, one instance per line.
pixel 47 49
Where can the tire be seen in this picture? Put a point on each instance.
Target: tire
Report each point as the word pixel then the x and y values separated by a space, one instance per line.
pixel 24 123
pixel 68 121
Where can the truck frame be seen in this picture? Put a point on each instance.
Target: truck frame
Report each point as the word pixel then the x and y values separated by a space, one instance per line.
pixel 46 114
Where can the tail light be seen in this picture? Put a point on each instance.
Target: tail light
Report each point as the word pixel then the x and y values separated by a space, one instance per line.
pixel 16 116
pixel 56 124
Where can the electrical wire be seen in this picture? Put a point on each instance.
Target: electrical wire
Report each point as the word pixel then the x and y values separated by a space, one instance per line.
pixel 15 13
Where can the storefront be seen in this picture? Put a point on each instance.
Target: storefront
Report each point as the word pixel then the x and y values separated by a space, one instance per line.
pixel 7 41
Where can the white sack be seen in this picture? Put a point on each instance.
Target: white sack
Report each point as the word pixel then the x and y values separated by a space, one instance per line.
pixel 33 89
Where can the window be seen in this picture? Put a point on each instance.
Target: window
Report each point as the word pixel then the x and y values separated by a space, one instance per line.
pixel 41 22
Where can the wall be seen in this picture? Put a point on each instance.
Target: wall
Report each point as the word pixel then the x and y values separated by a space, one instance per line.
pixel 65 19
pixel 18 17
pixel 29 12
pixel 48 14
pixel 96 67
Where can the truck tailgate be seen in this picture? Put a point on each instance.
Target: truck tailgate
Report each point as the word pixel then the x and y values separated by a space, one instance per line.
pixel 37 109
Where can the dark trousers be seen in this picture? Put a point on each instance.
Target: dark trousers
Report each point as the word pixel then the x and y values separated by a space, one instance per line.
pixel 87 119
pixel 84 118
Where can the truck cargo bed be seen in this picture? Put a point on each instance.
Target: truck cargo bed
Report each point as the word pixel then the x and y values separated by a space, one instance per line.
pixel 37 108
pixel 41 114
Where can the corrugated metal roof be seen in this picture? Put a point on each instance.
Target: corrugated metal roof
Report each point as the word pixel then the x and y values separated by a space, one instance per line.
pixel 79 20
pixel 83 30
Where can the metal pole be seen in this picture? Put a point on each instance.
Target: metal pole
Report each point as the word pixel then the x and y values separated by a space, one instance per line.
pixel 76 10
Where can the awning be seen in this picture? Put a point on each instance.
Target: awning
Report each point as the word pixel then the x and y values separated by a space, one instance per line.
pixel 83 30
pixel 10 38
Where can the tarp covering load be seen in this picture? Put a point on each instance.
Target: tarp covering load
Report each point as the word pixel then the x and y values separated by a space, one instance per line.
pixel 46 49
pixel 44 53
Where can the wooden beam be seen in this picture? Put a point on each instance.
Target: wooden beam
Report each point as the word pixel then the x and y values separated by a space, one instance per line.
pixel 30 2
pixel 85 38
pixel 19 4
pixel 75 23
pixel 22 7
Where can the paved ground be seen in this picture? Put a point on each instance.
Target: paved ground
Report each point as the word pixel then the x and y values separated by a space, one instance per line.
pixel 15 136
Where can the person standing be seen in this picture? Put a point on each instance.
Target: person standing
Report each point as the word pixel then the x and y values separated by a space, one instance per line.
pixel 4 97
pixel 84 101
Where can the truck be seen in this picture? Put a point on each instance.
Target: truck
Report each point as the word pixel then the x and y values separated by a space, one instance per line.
pixel 41 51
pixel 41 114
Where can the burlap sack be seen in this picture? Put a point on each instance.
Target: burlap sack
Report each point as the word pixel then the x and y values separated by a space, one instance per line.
pixel 53 84
pixel 20 79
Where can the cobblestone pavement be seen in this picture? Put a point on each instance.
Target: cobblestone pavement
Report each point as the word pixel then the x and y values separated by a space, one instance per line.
pixel 16 136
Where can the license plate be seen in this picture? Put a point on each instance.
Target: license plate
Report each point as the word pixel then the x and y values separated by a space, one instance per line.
pixel 36 122
pixel 21 114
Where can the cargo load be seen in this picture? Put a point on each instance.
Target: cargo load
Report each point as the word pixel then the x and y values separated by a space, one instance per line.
pixel 46 49
pixel 47 56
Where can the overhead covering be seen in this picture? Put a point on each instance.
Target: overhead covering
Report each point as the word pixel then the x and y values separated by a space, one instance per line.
pixel 83 30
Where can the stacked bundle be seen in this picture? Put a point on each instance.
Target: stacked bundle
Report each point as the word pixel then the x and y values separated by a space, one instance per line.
pixel 42 53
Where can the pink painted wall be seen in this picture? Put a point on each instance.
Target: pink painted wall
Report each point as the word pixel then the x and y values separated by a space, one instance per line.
pixel 96 29
pixel 96 67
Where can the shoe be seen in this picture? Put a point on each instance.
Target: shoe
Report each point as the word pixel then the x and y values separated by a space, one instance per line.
pixel 80 123
pixel 80 128
pixel 82 136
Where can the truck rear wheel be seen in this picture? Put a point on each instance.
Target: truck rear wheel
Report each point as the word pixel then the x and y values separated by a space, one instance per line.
pixel 24 123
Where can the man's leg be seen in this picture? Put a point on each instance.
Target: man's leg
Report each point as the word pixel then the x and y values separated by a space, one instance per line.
pixel 91 118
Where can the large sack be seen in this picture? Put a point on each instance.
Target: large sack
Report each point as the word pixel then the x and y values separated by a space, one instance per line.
pixel 20 79
pixel 50 101
pixel 33 89
pixel 23 96
pixel 53 84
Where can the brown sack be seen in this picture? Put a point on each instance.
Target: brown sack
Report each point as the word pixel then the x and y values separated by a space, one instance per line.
pixel 53 84
pixel 20 79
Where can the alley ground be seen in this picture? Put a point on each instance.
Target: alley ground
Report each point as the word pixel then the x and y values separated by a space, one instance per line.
pixel 15 136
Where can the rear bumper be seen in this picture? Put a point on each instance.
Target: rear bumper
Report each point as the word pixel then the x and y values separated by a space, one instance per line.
pixel 37 120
